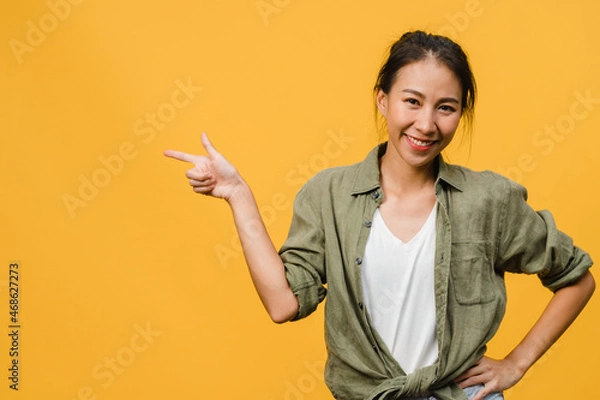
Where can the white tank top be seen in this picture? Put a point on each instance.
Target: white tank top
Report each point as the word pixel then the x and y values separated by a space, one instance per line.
pixel 398 289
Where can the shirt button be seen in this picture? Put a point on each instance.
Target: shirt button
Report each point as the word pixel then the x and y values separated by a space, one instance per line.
pixel 375 194
pixel 374 347
pixel 358 260
pixel 360 305
pixel 368 224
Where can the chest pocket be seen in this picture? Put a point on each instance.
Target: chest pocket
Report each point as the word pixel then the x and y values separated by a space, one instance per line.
pixel 471 273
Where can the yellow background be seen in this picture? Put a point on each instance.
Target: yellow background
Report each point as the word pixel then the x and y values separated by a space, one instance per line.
pixel 285 91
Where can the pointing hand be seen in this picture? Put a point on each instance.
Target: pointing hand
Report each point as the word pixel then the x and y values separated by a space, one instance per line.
pixel 212 174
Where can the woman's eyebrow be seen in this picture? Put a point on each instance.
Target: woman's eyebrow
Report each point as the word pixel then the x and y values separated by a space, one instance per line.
pixel 413 91
pixel 442 100
pixel 448 100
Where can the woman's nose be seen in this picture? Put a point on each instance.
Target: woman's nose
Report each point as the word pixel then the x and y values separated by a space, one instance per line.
pixel 425 122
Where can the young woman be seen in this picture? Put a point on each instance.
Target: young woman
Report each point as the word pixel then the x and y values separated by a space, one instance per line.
pixel 413 250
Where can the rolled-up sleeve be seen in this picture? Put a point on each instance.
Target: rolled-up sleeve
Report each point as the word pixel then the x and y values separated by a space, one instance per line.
pixel 303 255
pixel 529 242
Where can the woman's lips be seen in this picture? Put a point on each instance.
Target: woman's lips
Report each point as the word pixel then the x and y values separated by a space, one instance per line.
pixel 418 144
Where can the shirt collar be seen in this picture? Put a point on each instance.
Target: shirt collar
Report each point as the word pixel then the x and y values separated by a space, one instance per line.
pixel 367 175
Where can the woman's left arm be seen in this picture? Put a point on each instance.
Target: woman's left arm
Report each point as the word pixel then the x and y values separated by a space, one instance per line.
pixel 561 311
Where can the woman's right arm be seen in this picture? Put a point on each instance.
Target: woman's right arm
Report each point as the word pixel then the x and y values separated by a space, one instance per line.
pixel 213 175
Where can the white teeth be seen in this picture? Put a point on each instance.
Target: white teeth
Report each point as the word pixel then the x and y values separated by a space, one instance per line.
pixel 418 142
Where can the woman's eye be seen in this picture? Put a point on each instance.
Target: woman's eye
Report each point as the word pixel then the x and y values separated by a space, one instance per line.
pixel 447 108
pixel 412 101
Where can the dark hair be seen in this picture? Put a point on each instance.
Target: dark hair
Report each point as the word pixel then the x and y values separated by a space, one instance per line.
pixel 418 45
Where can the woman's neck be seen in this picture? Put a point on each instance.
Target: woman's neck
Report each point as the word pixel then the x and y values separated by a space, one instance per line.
pixel 397 177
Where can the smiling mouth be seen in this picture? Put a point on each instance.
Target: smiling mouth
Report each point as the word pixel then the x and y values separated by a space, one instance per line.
pixel 419 143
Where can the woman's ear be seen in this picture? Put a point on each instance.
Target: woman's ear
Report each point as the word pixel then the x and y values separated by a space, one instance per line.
pixel 382 102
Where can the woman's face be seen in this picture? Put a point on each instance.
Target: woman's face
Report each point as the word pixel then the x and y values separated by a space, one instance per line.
pixel 422 110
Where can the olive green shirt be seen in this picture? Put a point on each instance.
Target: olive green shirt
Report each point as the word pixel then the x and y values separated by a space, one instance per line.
pixel 484 228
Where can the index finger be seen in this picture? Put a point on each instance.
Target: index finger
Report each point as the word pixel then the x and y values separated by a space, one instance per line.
pixel 180 155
